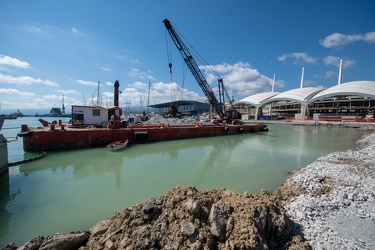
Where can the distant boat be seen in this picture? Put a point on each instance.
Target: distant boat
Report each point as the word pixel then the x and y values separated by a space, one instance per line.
pixel 14 115
pixel 118 144
pixel 11 116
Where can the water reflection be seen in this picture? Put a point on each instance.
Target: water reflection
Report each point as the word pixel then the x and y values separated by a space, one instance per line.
pixel 101 161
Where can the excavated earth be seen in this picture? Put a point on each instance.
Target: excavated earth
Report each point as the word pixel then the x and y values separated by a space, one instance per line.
pixel 185 218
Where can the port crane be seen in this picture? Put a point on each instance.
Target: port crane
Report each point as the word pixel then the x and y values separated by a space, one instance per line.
pixel 198 75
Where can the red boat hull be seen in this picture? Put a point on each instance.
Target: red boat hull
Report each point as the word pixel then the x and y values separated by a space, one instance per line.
pixel 45 139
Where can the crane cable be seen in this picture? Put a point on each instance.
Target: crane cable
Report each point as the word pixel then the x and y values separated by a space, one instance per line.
pixel 183 82
pixel 169 56
pixel 213 72
pixel 203 62
pixel 198 56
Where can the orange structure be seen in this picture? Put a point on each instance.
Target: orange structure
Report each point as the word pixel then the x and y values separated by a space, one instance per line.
pixel 45 139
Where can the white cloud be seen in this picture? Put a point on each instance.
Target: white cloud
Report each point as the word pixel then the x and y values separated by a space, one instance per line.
pixel 337 39
pixel 134 61
pixel 52 97
pixel 327 75
pixel 136 94
pixel 241 78
pixel 298 58
pixel 16 92
pixel 331 60
pixel 105 69
pixel 124 57
pixel 77 32
pixel 369 37
pixel 136 73
pixel 139 85
pixel 167 92
pixel 88 83
pixel 34 29
pixel 70 92
pixel 334 61
pixel 24 80
pixel 14 62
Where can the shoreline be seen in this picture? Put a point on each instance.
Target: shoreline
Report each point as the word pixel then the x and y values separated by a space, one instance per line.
pixel 330 203
pixel 347 124
pixel 335 207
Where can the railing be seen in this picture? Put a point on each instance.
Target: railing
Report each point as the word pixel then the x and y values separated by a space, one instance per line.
pixel 332 119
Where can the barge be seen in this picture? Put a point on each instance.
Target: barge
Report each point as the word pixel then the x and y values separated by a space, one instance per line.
pixel 60 136
pixel 94 126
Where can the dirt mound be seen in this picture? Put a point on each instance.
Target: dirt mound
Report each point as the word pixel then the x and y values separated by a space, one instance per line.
pixel 185 218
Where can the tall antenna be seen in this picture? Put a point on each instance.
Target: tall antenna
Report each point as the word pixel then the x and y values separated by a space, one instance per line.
pixel 273 82
pixel 303 74
pixel 340 73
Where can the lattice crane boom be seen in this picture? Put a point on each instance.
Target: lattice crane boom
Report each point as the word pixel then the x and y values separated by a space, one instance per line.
pixel 192 65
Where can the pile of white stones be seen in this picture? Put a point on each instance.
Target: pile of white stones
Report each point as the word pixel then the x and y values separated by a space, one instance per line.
pixel 343 215
pixel 159 120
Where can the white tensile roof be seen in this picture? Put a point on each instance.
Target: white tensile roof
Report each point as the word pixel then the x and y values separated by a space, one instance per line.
pixel 256 99
pixel 355 88
pixel 311 94
pixel 301 95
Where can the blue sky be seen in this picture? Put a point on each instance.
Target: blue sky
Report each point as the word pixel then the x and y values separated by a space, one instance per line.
pixel 50 49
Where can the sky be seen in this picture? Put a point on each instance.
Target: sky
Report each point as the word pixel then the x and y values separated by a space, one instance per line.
pixel 75 50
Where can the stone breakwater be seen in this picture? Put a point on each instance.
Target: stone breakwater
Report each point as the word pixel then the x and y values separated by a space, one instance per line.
pixel 332 201
pixel 326 205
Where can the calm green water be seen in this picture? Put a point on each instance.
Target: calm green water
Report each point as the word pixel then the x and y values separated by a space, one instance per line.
pixel 72 190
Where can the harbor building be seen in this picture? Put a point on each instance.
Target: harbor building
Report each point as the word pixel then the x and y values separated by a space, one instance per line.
pixel 353 101
pixel 186 108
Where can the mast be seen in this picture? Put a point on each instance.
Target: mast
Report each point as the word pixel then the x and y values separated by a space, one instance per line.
pixel 97 100
pixel 148 99
pixel 303 73
pixel 116 91
pixel 340 73
pixel 63 107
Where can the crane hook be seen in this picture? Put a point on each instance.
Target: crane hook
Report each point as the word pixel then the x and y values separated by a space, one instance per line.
pixel 170 67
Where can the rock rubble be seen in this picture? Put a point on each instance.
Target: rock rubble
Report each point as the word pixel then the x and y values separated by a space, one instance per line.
pixel 335 205
pixel 159 120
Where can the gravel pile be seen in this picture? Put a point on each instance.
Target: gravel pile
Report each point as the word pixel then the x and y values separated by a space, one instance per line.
pixel 158 120
pixel 336 207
